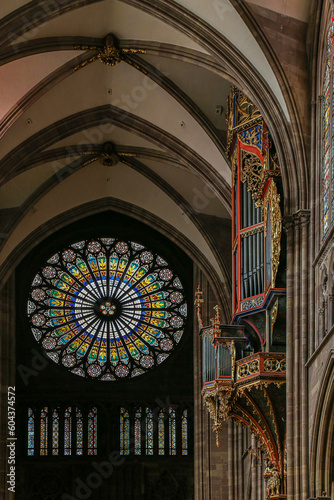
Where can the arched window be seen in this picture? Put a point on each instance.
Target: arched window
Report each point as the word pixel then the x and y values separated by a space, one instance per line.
pixel 327 178
pixel 124 432
pixel 92 431
pixel 44 431
pixel 172 432
pixel 55 432
pixel 149 431
pixel 138 432
pixel 79 422
pixel 68 431
pixel 31 432
pixel 161 432
pixel 184 424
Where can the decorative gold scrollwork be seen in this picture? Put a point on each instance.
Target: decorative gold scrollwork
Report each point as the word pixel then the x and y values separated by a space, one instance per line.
pixel 252 173
pixel 247 369
pixel 219 403
pixel 271 201
pixel 249 304
pixel 274 365
pixel 244 110
pixel 234 159
pixel 274 315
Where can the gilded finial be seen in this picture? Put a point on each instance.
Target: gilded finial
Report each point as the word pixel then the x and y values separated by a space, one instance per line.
pixel 216 321
pixel 198 303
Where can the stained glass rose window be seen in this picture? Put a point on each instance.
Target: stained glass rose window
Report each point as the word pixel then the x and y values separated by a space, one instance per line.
pixel 107 309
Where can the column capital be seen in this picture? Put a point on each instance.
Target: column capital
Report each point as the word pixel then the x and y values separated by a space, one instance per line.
pixel 301 218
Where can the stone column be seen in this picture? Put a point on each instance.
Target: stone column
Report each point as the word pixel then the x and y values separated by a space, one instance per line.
pixel 230 461
pixel 255 491
pixel 7 375
pixel 304 220
pixel 298 267
pixel 289 226
pixel 296 360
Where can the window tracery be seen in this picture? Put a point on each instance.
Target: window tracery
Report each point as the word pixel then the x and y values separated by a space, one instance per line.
pixel 55 432
pixel 107 309
pixel 44 431
pixel 92 431
pixel 153 430
pixel 124 432
pixel 327 172
pixel 68 431
pixel 68 421
pixel 31 432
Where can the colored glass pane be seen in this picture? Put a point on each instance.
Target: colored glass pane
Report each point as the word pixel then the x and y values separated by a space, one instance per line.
pixel 138 432
pixel 31 432
pixel 184 425
pixel 124 432
pixel 330 34
pixel 55 432
pixel 92 431
pixel 327 151
pixel 161 432
pixel 44 431
pixel 172 432
pixel 149 431
pixel 68 431
pixel 79 432
pixel 107 309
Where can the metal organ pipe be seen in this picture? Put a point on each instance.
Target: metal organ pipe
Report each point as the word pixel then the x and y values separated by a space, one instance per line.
pixel 261 253
pixel 258 261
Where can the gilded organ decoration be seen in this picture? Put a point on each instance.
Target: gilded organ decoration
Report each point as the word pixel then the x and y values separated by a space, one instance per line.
pixel 218 400
pixel 257 217
pixel 252 173
pixel 240 112
pixel 272 203
pixel 274 315
pixel 252 137
pixel 249 386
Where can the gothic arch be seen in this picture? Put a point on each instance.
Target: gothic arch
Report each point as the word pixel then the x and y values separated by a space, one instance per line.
pixel 58 222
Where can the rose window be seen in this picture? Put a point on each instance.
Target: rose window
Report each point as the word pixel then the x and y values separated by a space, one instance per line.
pixel 107 309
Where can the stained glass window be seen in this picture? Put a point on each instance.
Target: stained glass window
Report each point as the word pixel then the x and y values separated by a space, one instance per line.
pixel 44 431
pixel 68 431
pixel 55 432
pixel 327 180
pixel 149 431
pixel 31 432
pixel 184 426
pixel 138 432
pixel 92 431
pixel 172 432
pixel 330 34
pixel 107 309
pixel 79 432
pixel 161 432
pixel 124 432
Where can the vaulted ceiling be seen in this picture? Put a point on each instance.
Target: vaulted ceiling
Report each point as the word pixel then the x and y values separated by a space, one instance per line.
pixel 144 134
